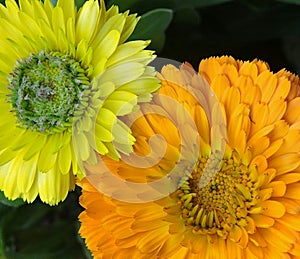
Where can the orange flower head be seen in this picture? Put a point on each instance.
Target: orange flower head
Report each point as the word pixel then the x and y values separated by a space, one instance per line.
pixel 227 181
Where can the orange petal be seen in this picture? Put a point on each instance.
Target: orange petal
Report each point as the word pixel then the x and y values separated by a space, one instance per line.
pixel 273 148
pixel 282 89
pixel 260 116
pixel 230 71
pixel 210 67
pixel 289 178
pixel 262 221
pixel 280 237
pixel 258 239
pixel 277 110
pixel 249 69
pixel 292 206
pixel 278 187
pixel 290 221
pixel 293 191
pixel 235 233
pixel 254 251
pixel 170 246
pixel 260 163
pixel 292 114
pixel 199 244
pixel 285 163
pixel 266 80
pixel 152 240
pixel 219 84
pixel 273 209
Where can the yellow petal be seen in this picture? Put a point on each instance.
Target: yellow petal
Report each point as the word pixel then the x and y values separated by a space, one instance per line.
pixel 64 159
pixel 27 174
pixel 103 134
pixel 116 22
pixel 123 73
pixel 87 18
pixel 130 23
pixel 58 20
pixel 48 154
pixel 107 46
pixel 68 8
pixel 10 182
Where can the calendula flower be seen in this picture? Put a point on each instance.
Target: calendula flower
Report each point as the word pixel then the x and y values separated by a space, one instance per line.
pixel 62 73
pixel 249 205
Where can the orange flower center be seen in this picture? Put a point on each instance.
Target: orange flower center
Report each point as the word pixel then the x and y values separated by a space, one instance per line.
pixel 214 202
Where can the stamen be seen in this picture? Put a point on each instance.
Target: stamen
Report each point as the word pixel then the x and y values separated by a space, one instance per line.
pixel 225 200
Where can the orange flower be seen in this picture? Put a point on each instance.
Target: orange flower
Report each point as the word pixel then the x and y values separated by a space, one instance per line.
pixel 249 204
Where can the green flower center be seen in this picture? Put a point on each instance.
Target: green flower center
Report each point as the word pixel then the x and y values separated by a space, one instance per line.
pixel 46 90
pixel 221 201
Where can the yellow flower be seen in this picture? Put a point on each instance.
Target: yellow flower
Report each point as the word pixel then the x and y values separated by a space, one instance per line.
pixel 63 71
pixel 248 208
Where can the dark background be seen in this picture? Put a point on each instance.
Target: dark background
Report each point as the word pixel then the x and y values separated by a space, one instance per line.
pixel 183 30
pixel 246 29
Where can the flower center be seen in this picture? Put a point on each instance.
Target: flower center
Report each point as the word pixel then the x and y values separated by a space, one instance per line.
pixel 46 90
pixel 214 204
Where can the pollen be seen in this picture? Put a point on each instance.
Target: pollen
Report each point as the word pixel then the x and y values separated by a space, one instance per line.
pixel 214 200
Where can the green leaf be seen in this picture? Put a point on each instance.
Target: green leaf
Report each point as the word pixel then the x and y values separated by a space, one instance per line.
pixel 79 3
pixel 152 26
pixel 206 3
pixel 38 230
pixel 187 16
pixel 14 203
pixel 296 2
pixel 123 5
pixel 86 251
pixel 4 211
pixel 141 6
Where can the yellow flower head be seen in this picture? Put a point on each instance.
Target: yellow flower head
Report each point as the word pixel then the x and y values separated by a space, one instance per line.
pixel 64 75
pixel 241 199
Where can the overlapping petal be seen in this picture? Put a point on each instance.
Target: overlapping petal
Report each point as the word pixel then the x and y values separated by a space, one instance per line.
pixel 116 79
pixel 249 209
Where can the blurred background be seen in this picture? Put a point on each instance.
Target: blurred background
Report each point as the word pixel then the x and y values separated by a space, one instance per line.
pixel 188 30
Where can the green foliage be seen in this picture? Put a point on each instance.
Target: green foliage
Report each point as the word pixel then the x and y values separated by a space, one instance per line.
pixel 297 2
pixel 141 6
pixel 152 26
pixel 206 3
pixel 7 202
pixel 41 231
pixel 78 3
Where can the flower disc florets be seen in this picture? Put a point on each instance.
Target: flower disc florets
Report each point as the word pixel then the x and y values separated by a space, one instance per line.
pixel 46 89
pixel 223 202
